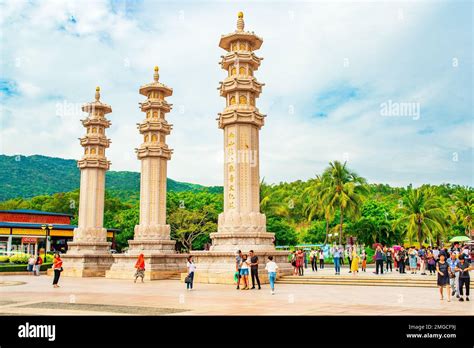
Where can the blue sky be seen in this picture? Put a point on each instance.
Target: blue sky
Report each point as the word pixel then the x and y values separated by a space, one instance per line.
pixel 328 67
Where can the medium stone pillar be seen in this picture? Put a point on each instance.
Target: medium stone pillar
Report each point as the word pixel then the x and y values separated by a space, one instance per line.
pixel 241 226
pixel 88 253
pixel 152 234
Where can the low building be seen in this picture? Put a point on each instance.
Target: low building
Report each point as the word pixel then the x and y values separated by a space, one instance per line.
pixel 30 231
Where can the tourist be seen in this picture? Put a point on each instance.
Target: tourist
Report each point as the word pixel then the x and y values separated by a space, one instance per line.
pixel 313 260
pixel 431 262
pixel 271 268
pixel 238 262
pixel 463 268
pixel 401 260
pixel 389 259
pixel 31 265
pixel 305 258
pixel 454 275
pixel 355 262
pixel 321 259
pixel 254 269
pixel 191 268
pixel 57 269
pixel 244 271
pixel 412 255
pixel 436 254
pixel 38 263
pixel 140 266
pixel 293 262
pixel 300 262
pixel 378 260
pixel 422 256
pixel 442 269
pixel 337 258
pixel 364 261
pixel 349 258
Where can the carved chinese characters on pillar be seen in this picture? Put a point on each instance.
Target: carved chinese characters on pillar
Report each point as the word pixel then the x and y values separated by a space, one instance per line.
pixel 231 164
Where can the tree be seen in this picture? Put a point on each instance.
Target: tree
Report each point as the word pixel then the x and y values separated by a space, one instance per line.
pixel 342 189
pixel 463 211
pixel 187 225
pixel 421 215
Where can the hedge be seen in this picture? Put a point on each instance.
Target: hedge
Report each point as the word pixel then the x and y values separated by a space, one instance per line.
pixel 22 268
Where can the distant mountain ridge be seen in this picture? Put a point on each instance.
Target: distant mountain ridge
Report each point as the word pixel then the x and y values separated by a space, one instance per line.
pixel 29 176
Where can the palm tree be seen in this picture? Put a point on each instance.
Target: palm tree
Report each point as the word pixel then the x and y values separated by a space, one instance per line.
pixel 314 205
pixel 342 189
pixel 422 215
pixel 463 211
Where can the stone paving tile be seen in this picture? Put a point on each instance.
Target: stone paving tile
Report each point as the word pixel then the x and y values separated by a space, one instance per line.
pixel 213 299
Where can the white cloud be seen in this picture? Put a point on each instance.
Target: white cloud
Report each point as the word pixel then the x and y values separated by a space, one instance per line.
pixel 58 51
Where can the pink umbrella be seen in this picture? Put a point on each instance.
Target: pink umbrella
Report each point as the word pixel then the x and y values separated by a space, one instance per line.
pixel 396 247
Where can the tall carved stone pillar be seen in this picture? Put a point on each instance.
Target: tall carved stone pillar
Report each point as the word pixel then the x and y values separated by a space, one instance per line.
pixel 241 226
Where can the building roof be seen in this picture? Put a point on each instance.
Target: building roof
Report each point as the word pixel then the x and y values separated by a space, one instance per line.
pixel 38 226
pixel 34 212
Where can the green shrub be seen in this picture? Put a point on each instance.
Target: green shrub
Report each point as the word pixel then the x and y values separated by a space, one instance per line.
pixel 20 258
pixel 21 268
pixel 4 258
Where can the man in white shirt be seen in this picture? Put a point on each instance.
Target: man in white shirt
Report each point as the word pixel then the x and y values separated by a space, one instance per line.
pixel 271 268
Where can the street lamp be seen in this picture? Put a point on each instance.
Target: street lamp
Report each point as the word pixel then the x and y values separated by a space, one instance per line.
pixel 47 228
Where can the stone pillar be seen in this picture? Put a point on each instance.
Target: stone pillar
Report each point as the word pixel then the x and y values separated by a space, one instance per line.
pixel 241 226
pixel 152 234
pixel 88 253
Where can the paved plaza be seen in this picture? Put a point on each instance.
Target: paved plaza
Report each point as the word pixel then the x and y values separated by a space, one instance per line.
pixel 29 295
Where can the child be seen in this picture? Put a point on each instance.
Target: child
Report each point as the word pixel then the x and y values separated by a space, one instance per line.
pixel 271 268
pixel 364 261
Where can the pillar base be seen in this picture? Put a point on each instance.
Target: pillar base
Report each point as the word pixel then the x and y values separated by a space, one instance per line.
pixel 151 246
pixel 157 266
pixel 214 267
pixel 86 265
pixel 83 248
pixel 245 241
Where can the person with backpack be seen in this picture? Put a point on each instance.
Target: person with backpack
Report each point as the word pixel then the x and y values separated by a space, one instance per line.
pixel 378 257
pixel 464 279
pixel 190 278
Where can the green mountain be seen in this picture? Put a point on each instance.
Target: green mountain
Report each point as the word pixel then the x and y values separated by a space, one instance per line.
pixel 29 176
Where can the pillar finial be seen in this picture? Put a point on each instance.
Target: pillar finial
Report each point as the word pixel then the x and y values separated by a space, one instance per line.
pixel 240 21
pixel 156 76
pixel 97 93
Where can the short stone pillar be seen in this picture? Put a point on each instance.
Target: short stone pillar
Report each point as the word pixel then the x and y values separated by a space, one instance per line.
pixel 88 254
